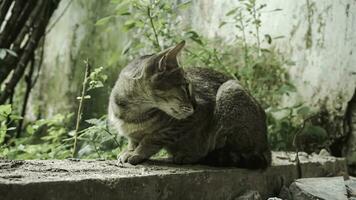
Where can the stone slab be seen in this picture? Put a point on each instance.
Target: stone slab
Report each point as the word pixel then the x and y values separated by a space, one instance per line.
pixel 89 179
pixel 324 188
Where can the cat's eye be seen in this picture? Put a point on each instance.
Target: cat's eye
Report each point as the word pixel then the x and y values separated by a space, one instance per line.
pixel 121 103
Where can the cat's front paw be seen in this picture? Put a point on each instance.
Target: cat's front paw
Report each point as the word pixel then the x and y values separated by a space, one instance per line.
pixel 130 157
pixel 135 159
pixel 123 157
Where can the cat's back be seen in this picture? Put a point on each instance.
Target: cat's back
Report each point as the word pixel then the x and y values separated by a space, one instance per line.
pixel 205 81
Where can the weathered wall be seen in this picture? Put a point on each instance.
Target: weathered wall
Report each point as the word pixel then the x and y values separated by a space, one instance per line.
pixel 73 39
pixel 319 37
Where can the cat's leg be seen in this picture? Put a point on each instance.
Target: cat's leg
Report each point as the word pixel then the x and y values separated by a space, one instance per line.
pixel 241 125
pixel 191 149
pixel 147 147
pixel 184 158
pixel 126 153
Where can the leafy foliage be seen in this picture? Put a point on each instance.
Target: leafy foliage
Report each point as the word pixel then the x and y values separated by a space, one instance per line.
pixel 98 141
pixel 53 138
pixel 44 139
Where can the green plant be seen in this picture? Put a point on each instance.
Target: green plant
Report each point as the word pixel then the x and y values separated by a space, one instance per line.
pixel 7 117
pixel 98 141
pixel 42 139
pixel 92 80
pixel 154 25
pixel 53 138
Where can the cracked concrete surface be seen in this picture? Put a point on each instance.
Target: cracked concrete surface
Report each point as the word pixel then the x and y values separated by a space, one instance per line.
pixel 88 179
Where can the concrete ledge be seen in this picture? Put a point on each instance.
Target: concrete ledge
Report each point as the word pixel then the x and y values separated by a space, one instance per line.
pixel 322 188
pixel 87 179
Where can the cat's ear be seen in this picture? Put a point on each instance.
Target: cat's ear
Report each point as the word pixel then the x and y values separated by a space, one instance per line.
pixel 168 58
pixel 173 51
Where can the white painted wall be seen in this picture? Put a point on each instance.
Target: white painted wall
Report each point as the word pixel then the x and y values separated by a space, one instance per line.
pixel 63 38
pixel 324 73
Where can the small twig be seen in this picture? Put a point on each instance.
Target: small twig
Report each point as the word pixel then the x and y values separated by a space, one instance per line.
pixel 153 27
pixel 244 38
pixel 80 108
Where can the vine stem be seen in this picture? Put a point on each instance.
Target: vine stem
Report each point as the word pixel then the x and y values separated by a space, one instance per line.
pixel 153 28
pixel 80 108
pixel 244 38
pixel 257 30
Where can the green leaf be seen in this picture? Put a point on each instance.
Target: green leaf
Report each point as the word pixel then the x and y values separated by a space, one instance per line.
pixel 316 131
pixel 71 134
pixel 130 24
pixel 122 8
pixel 30 130
pixel 103 21
pixel 11 128
pixel 184 5
pixel 276 10
pixel 125 13
pixel 195 37
pixel 3 130
pixel 5 110
pixel 278 37
pixel 231 12
pixel 15 117
pixel 268 38
pixel 93 121
pixel 222 24
pixel 286 88
pixel 304 111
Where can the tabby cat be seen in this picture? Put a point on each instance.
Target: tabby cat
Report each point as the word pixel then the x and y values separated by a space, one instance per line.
pixel 197 114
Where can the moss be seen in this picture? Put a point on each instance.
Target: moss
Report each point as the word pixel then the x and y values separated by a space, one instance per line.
pixel 308 35
pixel 294 30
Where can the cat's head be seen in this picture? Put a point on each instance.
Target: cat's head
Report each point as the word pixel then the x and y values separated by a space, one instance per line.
pixel 164 84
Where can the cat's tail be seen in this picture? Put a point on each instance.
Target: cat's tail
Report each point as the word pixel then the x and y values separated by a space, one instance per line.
pixel 224 157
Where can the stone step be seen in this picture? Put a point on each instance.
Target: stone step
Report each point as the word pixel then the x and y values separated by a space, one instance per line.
pixel 89 179
pixel 334 188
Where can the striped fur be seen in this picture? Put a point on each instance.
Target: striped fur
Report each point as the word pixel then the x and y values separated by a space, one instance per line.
pixel 198 115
